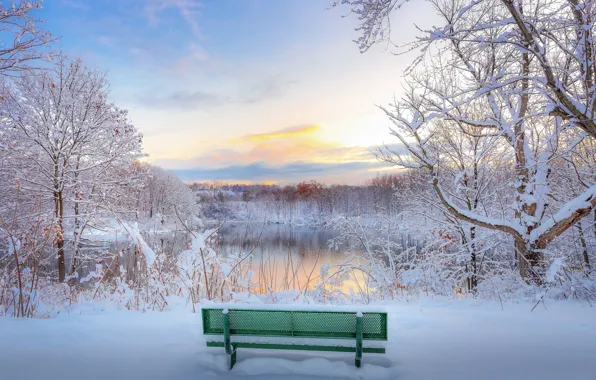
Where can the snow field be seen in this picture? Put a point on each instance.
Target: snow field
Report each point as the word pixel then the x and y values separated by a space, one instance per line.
pixel 429 339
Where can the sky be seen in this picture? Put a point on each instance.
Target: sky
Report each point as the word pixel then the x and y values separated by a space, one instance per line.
pixel 244 91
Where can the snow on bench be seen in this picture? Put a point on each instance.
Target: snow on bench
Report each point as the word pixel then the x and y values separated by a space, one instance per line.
pixel 289 327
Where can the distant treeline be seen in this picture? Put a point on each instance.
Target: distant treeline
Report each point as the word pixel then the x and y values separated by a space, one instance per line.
pixel 307 198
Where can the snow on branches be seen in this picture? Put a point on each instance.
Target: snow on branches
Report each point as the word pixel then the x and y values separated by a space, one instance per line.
pixel 22 42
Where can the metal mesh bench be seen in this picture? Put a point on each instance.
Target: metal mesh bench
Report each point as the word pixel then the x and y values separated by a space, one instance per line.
pixel 339 331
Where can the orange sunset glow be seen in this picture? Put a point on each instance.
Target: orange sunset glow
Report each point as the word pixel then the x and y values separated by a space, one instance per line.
pixel 289 133
pixel 307 146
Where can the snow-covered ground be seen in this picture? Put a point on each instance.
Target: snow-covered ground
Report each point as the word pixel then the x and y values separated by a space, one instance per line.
pixel 429 339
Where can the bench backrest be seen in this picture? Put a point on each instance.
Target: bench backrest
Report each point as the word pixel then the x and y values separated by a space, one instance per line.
pixel 295 323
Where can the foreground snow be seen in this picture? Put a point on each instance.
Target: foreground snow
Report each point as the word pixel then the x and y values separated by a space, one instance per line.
pixel 428 340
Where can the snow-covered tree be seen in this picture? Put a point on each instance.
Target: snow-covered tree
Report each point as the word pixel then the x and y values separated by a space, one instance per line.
pixel 503 69
pixel 66 139
pixel 168 198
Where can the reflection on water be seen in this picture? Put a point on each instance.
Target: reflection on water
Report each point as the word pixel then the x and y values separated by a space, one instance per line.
pixel 118 257
pixel 275 237
pixel 286 257
pixel 279 257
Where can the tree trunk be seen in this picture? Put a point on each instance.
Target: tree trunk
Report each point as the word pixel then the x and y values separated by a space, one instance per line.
pixel 473 277
pixel 528 258
pixel 60 241
pixel 18 268
pixel 594 225
pixel 76 243
pixel 77 223
pixel 530 261
pixel 582 239
pixel 59 215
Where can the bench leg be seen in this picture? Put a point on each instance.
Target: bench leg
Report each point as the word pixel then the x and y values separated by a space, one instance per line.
pixel 230 348
pixel 358 361
pixel 232 357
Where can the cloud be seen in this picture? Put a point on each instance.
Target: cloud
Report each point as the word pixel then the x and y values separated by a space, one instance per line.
pixel 188 9
pixel 293 172
pixel 291 132
pixel 75 4
pixel 285 155
pixel 268 88
pixel 104 40
pixel 196 57
pixel 189 100
pixel 284 146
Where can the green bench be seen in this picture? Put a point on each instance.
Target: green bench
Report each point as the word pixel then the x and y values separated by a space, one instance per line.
pixel 310 330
